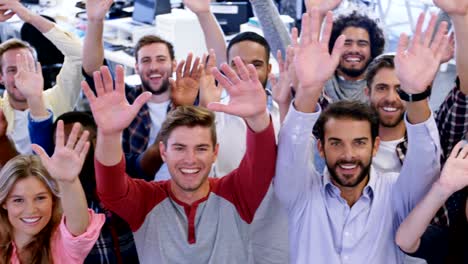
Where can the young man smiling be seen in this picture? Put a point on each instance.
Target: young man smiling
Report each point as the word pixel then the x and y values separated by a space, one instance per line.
pixel 190 218
pixel 351 212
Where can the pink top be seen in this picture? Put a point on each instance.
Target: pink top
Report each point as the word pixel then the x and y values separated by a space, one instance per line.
pixel 70 249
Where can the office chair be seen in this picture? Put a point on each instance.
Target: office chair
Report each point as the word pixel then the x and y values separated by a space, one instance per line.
pixel 48 55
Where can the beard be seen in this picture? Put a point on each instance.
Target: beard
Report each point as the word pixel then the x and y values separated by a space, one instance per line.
pixel 365 169
pixel 354 73
pixel 390 123
pixel 162 89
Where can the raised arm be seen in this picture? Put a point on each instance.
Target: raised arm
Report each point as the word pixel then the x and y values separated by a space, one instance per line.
pixel 246 186
pixel 294 170
pixel 416 67
pixel 93 44
pixel 273 27
pixel 127 197
pixel 39 22
pixel 65 166
pixel 214 36
pixel 454 177
pixel 458 12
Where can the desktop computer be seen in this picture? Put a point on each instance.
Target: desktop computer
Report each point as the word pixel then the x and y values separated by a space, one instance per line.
pixel 231 15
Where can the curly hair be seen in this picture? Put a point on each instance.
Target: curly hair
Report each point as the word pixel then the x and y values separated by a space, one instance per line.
pixel 376 36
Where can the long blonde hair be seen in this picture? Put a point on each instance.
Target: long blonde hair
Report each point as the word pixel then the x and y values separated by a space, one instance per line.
pixel 39 249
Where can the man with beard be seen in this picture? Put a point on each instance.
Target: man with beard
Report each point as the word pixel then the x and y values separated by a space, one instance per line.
pixel 155 63
pixel 351 212
pixel 364 42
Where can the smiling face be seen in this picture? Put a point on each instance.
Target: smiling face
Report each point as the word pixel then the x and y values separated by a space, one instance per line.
pixel 253 53
pixel 155 67
pixel 29 206
pixel 385 99
pixel 7 77
pixel 348 150
pixel 189 155
pixel 357 53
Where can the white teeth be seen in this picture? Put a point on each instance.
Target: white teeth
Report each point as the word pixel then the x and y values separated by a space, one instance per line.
pixel 348 167
pixel 155 76
pixel 353 59
pixel 189 171
pixel 30 220
pixel 389 109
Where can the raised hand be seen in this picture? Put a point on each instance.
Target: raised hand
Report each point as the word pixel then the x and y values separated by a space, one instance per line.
pixel 417 63
pixel 110 108
pixel 454 175
pixel 184 89
pixel 281 87
pixel 67 161
pixel 198 6
pixel 449 52
pixel 313 62
pixel 28 78
pixel 323 5
pixel 209 91
pixel 247 98
pixel 453 7
pixel 96 9
pixel 17 8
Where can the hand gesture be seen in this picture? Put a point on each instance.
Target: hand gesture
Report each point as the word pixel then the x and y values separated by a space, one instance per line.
pixel 453 7
pixel 198 6
pixel 323 5
pixel 16 8
pixel 67 161
pixel 313 62
pixel 209 91
pixel 247 98
pixel 449 52
pixel 417 65
pixel 184 89
pixel 96 9
pixel 3 124
pixel 454 175
pixel 110 108
pixel 281 88
pixel 28 78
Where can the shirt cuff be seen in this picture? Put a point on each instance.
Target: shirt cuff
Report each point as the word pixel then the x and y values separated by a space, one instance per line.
pixel 34 119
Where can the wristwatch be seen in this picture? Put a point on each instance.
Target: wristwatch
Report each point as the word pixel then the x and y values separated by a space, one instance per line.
pixel 414 97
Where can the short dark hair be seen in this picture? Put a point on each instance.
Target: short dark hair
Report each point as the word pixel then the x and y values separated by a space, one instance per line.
pixel 382 61
pixel 345 109
pixel 188 116
pixel 249 36
pixel 86 119
pixel 151 39
pixel 376 36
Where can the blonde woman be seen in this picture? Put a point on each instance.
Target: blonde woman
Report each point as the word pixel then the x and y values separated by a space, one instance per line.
pixel 43 215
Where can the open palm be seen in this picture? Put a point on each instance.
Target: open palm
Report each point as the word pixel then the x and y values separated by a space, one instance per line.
pixel 110 108
pixel 323 5
pixel 184 89
pixel 454 175
pixel 247 97
pixel 68 158
pixel 417 65
pixel 97 9
pixel 28 78
pixel 313 62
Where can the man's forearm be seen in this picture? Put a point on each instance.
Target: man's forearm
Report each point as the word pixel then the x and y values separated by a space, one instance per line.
pixel 39 22
pixel 214 36
pixel 109 149
pixel 418 112
pixel 461 35
pixel 93 48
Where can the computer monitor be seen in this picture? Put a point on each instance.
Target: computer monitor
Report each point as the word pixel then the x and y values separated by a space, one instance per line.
pixel 30 1
pixel 231 15
pixel 144 11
